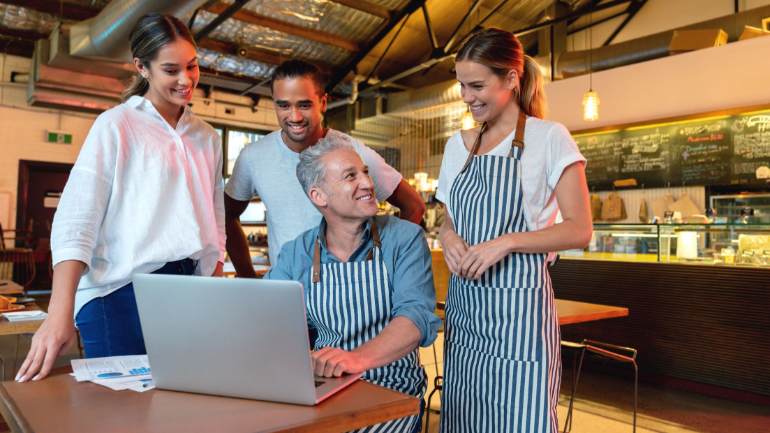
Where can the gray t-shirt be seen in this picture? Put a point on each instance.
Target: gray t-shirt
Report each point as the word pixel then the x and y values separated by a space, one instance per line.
pixel 267 169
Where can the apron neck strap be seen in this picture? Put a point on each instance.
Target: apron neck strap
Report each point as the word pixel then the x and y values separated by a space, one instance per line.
pixel 518 138
pixel 475 147
pixel 375 239
pixel 316 270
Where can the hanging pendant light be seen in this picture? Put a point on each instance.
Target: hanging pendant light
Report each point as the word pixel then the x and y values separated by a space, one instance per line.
pixel 590 98
pixel 591 105
pixel 467 121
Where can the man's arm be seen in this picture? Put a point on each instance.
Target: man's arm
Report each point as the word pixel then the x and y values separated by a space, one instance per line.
pixel 398 338
pixel 408 201
pixel 237 246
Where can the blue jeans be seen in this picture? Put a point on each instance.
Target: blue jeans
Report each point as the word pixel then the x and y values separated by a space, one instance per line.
pixel 109 326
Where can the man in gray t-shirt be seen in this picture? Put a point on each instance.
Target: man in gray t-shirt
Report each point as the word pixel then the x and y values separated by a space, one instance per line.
pixel 267 168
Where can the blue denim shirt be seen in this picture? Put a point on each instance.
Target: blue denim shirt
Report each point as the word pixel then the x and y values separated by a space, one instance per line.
pixel 405 254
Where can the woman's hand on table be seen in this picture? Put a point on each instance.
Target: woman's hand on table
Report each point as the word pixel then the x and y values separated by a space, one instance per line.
pixel 55 335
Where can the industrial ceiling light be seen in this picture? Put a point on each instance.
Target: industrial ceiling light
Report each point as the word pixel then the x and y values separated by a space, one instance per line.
pixel 590 98
pixel 467 121
pixel 590 105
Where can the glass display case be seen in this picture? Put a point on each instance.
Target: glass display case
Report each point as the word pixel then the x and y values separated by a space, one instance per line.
pixel 710 244
pixel 741 208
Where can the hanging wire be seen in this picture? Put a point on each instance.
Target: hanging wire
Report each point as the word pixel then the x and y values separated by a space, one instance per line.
pixel 590 51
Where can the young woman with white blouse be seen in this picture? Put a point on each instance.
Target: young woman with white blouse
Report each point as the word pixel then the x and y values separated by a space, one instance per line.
pixel 145 195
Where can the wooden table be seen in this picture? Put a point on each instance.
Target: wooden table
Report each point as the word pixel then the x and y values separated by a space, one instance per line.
pixel 21 327
pixel 572 312
pixel 60 404
pixel 8 287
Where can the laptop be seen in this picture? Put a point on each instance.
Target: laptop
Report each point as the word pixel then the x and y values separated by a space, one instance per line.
pixel 233 337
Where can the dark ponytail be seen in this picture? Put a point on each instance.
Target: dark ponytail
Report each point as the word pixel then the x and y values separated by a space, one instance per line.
pixel 501 51
pixel 151 33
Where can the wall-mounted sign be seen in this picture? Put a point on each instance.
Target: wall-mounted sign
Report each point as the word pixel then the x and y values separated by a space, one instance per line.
pixel 59 137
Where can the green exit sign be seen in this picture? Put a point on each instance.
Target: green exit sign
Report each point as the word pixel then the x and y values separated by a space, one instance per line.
pixel 58 137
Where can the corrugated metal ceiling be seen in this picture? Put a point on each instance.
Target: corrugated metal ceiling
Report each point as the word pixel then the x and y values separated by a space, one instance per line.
pixel 328 32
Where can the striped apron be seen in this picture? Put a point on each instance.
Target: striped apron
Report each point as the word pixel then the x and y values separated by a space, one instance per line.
pixel 349 304
pixel 502 364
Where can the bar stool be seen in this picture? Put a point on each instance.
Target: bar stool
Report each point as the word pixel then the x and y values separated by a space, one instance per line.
pixel 579 349
pixel 614 352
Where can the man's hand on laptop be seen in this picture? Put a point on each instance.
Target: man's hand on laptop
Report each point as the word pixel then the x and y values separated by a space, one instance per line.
pixel 334 362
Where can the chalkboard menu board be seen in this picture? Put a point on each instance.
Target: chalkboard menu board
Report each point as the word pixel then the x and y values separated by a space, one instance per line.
pixel 712 151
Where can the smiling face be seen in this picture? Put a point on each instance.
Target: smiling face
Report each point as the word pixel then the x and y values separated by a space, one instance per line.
pixel 172 74
pixel 347 190
pixel 486 93
pixel 299 106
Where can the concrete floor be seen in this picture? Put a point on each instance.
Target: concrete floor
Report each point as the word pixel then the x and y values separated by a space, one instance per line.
pixel 604 405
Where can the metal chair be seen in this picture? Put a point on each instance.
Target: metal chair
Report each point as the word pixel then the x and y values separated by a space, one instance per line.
pixel 579 349
pixel 18 265
pixel 20 238
pixel 614 352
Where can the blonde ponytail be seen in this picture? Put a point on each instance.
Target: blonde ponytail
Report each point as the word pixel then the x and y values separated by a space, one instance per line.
pixel 532 92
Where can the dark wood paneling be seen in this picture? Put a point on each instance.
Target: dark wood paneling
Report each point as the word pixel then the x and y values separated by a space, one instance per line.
pixel 706 324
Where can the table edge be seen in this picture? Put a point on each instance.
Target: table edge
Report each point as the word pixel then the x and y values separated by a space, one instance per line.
pixel 11 414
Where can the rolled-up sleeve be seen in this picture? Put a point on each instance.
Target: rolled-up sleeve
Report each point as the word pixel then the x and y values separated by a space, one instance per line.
pixel 414 295
pixel 84 201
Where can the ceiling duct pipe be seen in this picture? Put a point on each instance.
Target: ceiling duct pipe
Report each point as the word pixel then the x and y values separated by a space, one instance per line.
pixel 572 63
pixel 106 35
pixel 350 99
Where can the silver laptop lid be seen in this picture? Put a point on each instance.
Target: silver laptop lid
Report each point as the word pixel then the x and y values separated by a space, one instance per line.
pixel 235 337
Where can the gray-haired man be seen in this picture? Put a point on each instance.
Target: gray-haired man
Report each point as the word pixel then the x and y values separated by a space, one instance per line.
pixel 368 280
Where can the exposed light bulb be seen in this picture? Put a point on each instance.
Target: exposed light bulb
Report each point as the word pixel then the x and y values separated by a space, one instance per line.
pixel 467 121
pixel 591 106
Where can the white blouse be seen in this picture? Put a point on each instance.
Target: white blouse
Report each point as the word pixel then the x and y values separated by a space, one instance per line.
pixel 141 194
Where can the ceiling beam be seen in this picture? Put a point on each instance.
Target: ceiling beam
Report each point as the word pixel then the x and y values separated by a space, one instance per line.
pixel 239 83
pixel 474 7
pixel 569 16
pixel 632 10
pixel 351 64
pixel 365 6
pixel 251 53
pixel 219 19
pixel 429 28
pixel 387 48
pixel 225 47
pixel 438 58
pixel 65 10
pixel 260 20
pixel 597 22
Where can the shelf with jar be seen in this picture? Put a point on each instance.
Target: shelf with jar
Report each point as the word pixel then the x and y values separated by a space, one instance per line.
pixel 724 244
